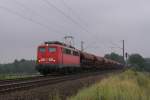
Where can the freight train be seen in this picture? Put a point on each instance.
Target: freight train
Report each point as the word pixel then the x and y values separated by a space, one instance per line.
pixel 55 56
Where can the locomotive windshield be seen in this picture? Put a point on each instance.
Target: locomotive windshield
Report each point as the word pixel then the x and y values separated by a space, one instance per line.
pixel 51 49
pixel 42 49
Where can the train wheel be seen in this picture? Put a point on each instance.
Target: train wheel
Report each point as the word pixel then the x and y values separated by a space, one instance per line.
pixel 44 73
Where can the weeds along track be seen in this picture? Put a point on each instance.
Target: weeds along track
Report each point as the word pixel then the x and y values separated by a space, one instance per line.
pixel 7 81
pixel 42 81
pixel 35 77
pixel 17 80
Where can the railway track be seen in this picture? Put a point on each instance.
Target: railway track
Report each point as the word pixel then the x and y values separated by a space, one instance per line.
pixel 7 81
pixel 42 81
pixel 18 79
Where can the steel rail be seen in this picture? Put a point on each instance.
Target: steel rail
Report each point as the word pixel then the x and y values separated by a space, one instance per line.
pixel 15 86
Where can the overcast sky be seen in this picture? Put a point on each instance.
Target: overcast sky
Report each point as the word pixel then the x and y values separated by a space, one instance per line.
pixel 101 24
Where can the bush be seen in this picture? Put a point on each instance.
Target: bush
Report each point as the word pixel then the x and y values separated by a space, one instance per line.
pixel 17 67
pixel 129 85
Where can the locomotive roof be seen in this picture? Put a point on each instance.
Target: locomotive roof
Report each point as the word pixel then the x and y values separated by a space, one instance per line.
pixel 59 43
pixel 53 42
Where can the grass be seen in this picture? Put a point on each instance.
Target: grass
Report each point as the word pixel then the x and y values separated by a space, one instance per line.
pixel 14 76
pixel 129 85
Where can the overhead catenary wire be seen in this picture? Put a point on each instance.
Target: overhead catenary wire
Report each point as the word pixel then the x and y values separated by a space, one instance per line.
pixel 37 14
pixel 59 10
pixel 114 44
pixel 64 14
pixel 25 7
pixel 41 24
pixel 69 17
pixel 73 12
pixel 33 11
pixel 27 18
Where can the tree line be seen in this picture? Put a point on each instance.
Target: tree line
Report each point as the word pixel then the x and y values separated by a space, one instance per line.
pixel 134 61
pixel 18 66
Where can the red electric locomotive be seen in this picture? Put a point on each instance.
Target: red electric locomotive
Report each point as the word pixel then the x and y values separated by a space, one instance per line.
pixel 55 56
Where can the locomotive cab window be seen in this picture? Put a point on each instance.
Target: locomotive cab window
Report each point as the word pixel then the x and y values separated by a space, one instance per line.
pixel 42 49
pixel 75 53
pixel 52 49
pixel 66 51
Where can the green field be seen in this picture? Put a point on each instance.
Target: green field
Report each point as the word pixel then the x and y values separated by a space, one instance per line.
pixel 15 76
pixel 129 85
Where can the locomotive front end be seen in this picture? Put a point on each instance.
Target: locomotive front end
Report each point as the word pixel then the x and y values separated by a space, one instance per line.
pixel 47 58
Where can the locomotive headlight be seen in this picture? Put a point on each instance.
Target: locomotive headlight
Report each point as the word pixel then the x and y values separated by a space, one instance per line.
pixel 42 59
pixel 52 59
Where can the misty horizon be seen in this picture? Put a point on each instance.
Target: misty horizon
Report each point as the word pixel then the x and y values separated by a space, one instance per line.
pixel 101 24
